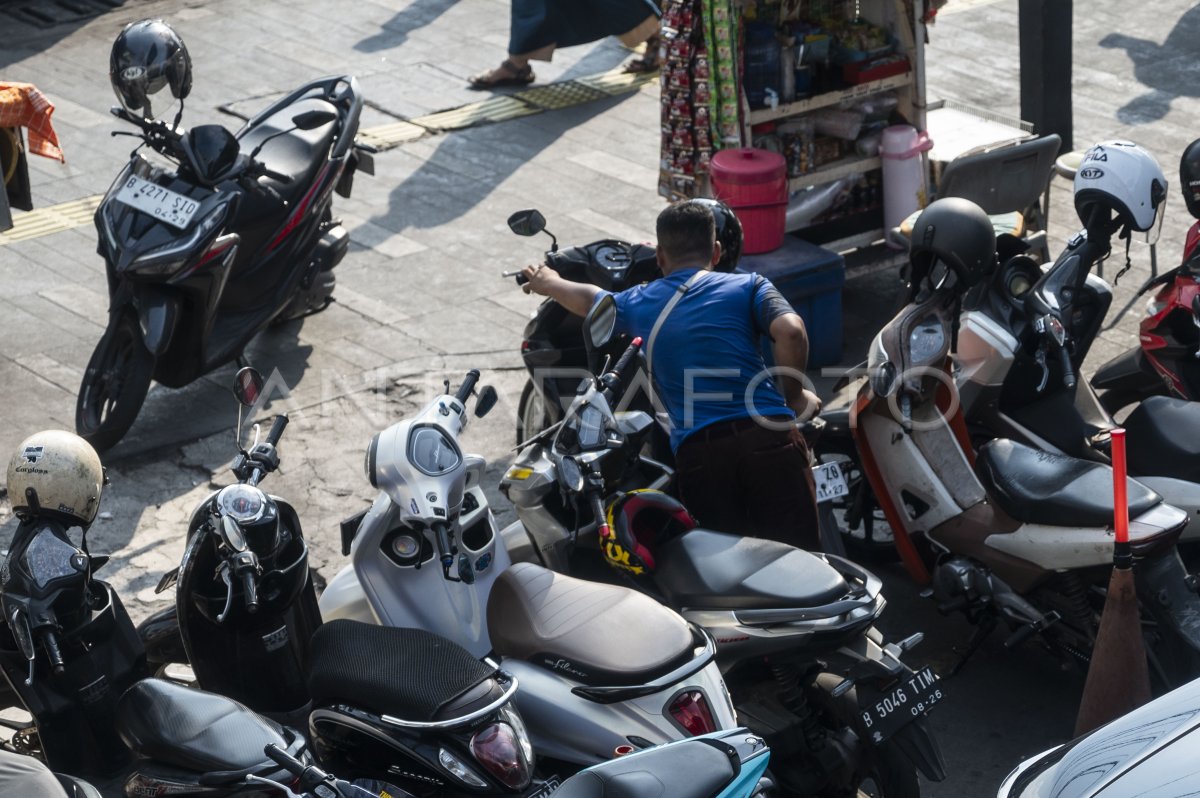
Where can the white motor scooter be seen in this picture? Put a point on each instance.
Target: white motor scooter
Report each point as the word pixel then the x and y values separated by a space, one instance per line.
pixel 601 668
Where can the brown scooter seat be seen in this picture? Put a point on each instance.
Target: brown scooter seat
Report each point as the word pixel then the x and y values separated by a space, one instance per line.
pixel 1043 488
pixel 595 633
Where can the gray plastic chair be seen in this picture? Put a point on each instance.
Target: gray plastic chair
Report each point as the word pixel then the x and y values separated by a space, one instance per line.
pixel 1006 180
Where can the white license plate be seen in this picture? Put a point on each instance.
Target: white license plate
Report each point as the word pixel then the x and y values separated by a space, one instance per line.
pixel 830 482
pixel 161 203
pixel 884 714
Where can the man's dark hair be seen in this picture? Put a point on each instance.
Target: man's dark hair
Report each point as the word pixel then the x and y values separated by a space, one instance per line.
pixel 686 230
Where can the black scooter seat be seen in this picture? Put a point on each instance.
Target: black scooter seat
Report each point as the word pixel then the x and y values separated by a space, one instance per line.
pixel 1042 488
pixel 298 154
pixel 1164 439
pixel 692 769
pixel 194 730
pixel 702 569
pixel 411 674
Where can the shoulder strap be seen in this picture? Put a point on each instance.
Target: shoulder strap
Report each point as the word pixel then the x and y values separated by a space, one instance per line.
pixel 662 317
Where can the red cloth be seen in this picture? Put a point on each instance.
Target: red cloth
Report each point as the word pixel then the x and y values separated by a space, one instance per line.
pixel 22 105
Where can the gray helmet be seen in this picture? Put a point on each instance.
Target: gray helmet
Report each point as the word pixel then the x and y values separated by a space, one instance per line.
pixel 958 233
pixel 147 57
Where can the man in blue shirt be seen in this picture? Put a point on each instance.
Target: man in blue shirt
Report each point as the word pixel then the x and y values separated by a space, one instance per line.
pixel 742 465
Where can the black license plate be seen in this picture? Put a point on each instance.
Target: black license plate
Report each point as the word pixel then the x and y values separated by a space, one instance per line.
pixel 547 787
pixel 885 713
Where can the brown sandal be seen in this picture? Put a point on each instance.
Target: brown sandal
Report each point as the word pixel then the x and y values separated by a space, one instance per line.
pixel 507 74
pixel 648 62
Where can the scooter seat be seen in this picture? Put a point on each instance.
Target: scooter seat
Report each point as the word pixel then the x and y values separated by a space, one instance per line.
pixel 702 569
pixel 297 154
pixel 691 769
pixel 407 673
pixel 194 730
pixel 595 633
pixel 1164 439
pixel 1042 488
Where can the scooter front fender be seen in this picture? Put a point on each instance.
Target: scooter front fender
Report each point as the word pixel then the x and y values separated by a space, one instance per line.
pixel 157 313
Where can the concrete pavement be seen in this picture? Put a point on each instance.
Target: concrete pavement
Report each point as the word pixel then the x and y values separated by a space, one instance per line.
pixel 419 295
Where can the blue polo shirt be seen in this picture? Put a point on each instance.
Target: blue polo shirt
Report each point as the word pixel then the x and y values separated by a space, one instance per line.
pixel 707 363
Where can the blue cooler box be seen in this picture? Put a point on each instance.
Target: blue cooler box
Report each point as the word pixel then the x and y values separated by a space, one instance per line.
pixel 811 278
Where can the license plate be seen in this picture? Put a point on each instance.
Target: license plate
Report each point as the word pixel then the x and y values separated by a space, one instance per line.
pixel 830 482
pixel 547 787
pixel 161 203
pixel 884 714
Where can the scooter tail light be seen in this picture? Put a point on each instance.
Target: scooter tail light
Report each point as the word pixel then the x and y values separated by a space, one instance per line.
pixel 499 750
pixel 690 710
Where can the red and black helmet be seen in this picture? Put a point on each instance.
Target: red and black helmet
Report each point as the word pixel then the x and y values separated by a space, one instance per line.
pixel 638 523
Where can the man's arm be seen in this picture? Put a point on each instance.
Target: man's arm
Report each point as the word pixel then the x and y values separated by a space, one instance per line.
pixel 791 356
pixel 575 297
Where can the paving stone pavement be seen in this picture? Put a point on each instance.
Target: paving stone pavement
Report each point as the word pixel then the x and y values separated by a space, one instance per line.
pixel 419 295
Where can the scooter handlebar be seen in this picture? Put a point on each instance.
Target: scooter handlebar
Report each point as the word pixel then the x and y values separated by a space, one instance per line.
pixel 1068 369
pixel 612 380
pixel 281 422
pixel 468 385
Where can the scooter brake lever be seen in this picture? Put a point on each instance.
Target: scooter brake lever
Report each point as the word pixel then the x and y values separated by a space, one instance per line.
pixel 1041 361
pixel 226 577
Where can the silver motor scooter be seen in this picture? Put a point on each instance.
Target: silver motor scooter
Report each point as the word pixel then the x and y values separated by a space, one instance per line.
pixel 600 668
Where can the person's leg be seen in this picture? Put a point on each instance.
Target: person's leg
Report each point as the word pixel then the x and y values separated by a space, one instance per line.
pixel 649 32
pixel 707 479
pixel 777 487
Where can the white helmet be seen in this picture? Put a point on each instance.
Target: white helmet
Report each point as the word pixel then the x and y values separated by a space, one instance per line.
pixel 57 474
pixel 1119 180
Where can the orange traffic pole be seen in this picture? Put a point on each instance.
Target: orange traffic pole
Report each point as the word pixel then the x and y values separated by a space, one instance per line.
pixel 1118 680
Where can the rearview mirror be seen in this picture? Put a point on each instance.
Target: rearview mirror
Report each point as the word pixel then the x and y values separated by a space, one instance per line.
pixel 247 386
pixel 600 322
pixel 527 223
pixel 486 401
pixel 311 120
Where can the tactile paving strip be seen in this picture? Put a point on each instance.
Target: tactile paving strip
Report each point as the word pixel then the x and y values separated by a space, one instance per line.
pixel 554 96
pixel 51 219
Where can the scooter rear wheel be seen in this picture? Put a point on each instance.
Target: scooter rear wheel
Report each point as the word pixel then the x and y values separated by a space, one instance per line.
pixel 114 385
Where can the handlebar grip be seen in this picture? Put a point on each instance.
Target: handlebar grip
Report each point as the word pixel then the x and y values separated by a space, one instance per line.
pixel 468 385
pixel 281 422
pixel 53 651
pixel 277 176
pixel 627 356
pixel 522 279
pixel 283 759
pixel 442 533
pixel 250 586
pixel 1068 369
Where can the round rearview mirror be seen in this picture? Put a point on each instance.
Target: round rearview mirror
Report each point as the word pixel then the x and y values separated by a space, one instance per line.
pixel 247 386
pixel 527 223
pixel 570 475
pixel 600 322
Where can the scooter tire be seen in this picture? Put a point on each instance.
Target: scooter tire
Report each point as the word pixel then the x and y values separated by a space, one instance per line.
pixel 114 385
pixel 534 413
pixel 885 766
pixel 869 547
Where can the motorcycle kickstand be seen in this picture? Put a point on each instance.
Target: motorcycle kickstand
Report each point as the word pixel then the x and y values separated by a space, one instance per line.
pixel 980 634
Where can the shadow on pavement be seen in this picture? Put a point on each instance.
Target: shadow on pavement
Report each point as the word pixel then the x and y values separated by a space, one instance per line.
pixel 1166 69
pixel 395 31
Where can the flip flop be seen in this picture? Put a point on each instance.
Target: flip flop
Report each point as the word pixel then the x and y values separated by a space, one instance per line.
pixel 507 74
pixel 649 62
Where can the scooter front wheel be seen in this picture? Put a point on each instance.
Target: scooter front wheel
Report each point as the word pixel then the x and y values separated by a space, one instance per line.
pixel 114 385
pixel 534 413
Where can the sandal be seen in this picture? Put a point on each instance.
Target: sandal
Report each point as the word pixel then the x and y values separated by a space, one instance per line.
pixel 507 74
pixel 648 62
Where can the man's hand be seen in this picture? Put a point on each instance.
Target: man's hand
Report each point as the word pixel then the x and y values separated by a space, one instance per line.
pixel 540 279
pixel 806 406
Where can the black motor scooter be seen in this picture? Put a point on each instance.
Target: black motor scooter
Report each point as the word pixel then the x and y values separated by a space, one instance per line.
pixel 245 606
pixel 202 257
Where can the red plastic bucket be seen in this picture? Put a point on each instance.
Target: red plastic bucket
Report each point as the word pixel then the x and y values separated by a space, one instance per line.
pixel 754 184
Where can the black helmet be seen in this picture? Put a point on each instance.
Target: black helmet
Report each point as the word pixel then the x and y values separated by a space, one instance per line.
pixel 729 233
pixel 958 233
pixel 147 56
pixel 1189 177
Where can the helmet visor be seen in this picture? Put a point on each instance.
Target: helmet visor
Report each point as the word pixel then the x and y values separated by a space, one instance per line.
pixel 1150 236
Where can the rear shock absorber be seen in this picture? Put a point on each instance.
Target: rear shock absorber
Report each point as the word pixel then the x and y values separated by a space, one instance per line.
pixel 793 698
pixel 1075 604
